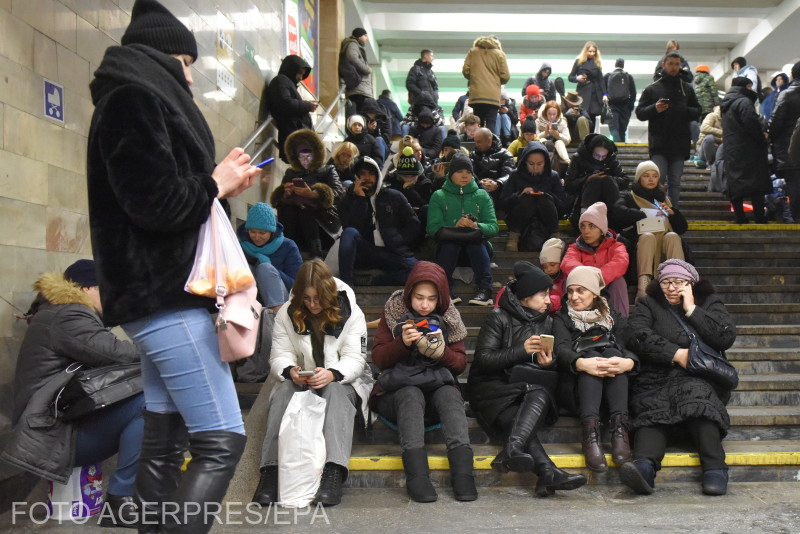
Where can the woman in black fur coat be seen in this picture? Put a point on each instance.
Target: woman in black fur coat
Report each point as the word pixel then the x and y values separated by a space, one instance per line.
pixel 665 400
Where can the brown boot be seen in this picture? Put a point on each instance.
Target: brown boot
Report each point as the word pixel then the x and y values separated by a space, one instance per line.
pixel 595 459
pixel 620 440
pixel 512 243
pixel 641 288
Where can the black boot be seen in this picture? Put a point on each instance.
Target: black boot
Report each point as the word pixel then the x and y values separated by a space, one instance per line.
pixel 215 454
pixel 549 477
pixel 534 405
pixel 418 480
pixel 315 249
pixel 164 440
pixel 461 477
pixel 330 487
pixel 267 490
pixel 120 511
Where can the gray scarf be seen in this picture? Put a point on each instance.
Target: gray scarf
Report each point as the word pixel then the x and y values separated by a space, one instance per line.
pixel 587 319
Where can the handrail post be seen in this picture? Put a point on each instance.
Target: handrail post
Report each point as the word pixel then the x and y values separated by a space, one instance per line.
pixel 255 134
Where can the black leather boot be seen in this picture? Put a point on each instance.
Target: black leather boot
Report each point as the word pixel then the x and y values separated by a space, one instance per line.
pixel 418 479
pixel 315 249
pixel 267 490
pixel 461 477
pixel 120 511
pixel 590 445
pixel 330 486
pixel 534 405
pixel 620 439
pixel 549 477
pixel 215 454
pixel 164 441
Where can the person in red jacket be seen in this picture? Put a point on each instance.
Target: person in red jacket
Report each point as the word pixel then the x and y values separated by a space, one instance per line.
pixel 597 247
pixel 420 351
pixel 550 260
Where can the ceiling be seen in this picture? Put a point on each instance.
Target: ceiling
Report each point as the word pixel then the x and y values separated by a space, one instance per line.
pixel 531 31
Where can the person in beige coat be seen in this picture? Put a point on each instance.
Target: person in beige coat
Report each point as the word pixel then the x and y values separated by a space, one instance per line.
pixel 710 139
pixel 486 69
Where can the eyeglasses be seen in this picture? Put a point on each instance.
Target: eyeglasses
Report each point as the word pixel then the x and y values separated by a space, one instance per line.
pixel 309 300
pixel 677 284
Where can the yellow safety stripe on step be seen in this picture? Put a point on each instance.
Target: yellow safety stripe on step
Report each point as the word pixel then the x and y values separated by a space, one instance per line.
pixel 731 227
pixel 577 461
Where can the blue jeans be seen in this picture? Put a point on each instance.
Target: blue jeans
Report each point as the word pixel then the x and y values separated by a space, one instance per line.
pixel 670 167
pixel 383 146
pixel 114 430
pixel 182 370
pixel 504 124
pixel 479 260
pixel 270 284
pixel 357 252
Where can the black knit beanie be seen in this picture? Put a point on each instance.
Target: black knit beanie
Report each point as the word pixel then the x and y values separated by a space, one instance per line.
pixel 83 273
pixel 531 282
pixel 452 140
pixel 529 125
pixel 153 25
pixel 358 32
pixel 460 162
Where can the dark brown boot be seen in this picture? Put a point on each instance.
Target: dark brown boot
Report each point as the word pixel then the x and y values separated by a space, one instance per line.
pixel 620 440
pixel 592 450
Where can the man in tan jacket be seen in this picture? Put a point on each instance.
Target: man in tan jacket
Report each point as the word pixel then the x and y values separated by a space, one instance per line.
pixel 486 69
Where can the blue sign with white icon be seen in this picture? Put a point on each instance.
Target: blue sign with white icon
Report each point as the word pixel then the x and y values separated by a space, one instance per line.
pixel 53 101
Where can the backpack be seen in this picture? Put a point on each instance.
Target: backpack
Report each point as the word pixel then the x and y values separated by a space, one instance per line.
pixel 347 72
pixel 618 89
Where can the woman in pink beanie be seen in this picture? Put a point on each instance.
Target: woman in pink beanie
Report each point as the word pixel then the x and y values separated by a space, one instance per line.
pixel 597 247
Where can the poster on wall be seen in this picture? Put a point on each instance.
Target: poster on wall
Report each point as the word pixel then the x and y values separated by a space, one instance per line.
pixel 301 35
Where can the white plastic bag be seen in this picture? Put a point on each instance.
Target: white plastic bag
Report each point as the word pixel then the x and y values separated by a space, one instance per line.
pixel 301 449
pixel 81 496
pixel 236 274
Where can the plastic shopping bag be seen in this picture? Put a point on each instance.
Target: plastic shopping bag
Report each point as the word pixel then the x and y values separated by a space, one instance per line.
pixel 81 496
pixel 228 258
pixel 301 449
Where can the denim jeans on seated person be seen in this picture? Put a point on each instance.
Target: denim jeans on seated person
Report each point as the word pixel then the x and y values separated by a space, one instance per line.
pixel 116 429
pixel 182 370
pixel 447 257
pixel 270 284
pixel 357 252
pixel 503 124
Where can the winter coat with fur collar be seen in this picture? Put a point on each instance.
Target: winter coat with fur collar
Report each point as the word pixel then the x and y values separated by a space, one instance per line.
pixel 150 159
pixel 665 393
pixel 66 329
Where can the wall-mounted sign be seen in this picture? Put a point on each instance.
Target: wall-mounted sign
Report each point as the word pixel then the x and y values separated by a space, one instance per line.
pixel 54 101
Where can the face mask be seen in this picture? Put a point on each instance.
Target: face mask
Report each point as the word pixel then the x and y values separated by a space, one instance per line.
pixel 305 159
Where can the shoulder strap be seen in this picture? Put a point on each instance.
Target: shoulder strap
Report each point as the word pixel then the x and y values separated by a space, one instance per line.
pixel 681 322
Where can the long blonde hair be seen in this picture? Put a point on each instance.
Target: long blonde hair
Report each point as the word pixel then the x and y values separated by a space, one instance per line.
pixel 316 274
pixel 583 56
pixel 346 145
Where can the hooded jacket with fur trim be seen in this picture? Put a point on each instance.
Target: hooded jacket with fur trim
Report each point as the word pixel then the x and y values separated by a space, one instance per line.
pixel 486 69
pixel 65 329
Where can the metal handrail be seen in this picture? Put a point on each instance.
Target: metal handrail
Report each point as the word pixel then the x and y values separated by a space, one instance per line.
pixel 260 150
pixel 328 110
pixel 256 133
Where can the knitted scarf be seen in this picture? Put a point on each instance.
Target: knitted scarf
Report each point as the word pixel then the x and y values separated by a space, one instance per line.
pixel 649 194
pixel 395 309
pixel 587 319
pixel 262 253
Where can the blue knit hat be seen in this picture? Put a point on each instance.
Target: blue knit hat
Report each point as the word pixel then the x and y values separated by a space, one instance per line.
pixel 261 217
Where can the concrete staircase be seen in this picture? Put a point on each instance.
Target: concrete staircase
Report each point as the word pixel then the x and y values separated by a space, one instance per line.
pixel 756 270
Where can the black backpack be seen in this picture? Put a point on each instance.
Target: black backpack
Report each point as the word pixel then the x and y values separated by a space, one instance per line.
pixel 618 89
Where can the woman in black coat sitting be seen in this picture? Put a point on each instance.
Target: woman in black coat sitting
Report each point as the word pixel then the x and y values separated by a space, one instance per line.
pixel 595 175
pixel 513 378
pixel 665 399
pixel 595 366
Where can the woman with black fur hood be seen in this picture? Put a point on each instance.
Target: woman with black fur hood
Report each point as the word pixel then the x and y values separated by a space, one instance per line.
pixel 534 200
pixel 513 379
pixel 665 400
pixel 307 196
pixel 594 175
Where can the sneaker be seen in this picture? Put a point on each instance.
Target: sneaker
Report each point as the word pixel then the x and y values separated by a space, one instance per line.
pixel 482 298
pixel 700 164
pixel 455 299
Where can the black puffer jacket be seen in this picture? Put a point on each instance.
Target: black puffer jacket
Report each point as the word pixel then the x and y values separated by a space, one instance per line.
pixel 744 148
pixel 548 182
pixel 367 145
pixel 781 126
pixel 286 105
pixel 566 334
pixel 662 392
pixel 383 124
pixel 583 165
pixel 421 82
pixel 500 347
pixel 668 132
pixel 65 329
pixel 430 138
pixel 149 165
pixel 496 163
pixel 546 86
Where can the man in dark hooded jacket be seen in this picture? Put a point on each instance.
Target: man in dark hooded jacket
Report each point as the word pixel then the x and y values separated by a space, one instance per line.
pixel 547 87
pixel 421 80
pixel 378 124
pixel 744 150
pixel 429 136
pixel 781 127
pixel 395 115
pixel 286 106
pixel 669 105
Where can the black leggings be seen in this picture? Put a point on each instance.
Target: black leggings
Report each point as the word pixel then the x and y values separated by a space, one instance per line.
pixel 531 207
pixel 299 225
pixel 593 389
pixel 650 442
pixel 600 190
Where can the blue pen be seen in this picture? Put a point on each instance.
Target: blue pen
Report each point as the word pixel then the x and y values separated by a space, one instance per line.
pixel 270 160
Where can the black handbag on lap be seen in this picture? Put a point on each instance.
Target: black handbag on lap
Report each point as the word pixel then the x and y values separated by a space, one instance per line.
pixel 459 235
pixel 600 340
pixel 94 388
pixel 708 363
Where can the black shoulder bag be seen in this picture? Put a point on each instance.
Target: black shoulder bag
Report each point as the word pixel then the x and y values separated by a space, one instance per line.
pixel 708 363
pixel 94 388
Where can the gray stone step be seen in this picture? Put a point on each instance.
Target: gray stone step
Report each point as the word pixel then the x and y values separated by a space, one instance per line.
pixel 766 244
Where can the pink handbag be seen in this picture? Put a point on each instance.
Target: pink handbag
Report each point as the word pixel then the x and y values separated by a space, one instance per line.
pixel 239 313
